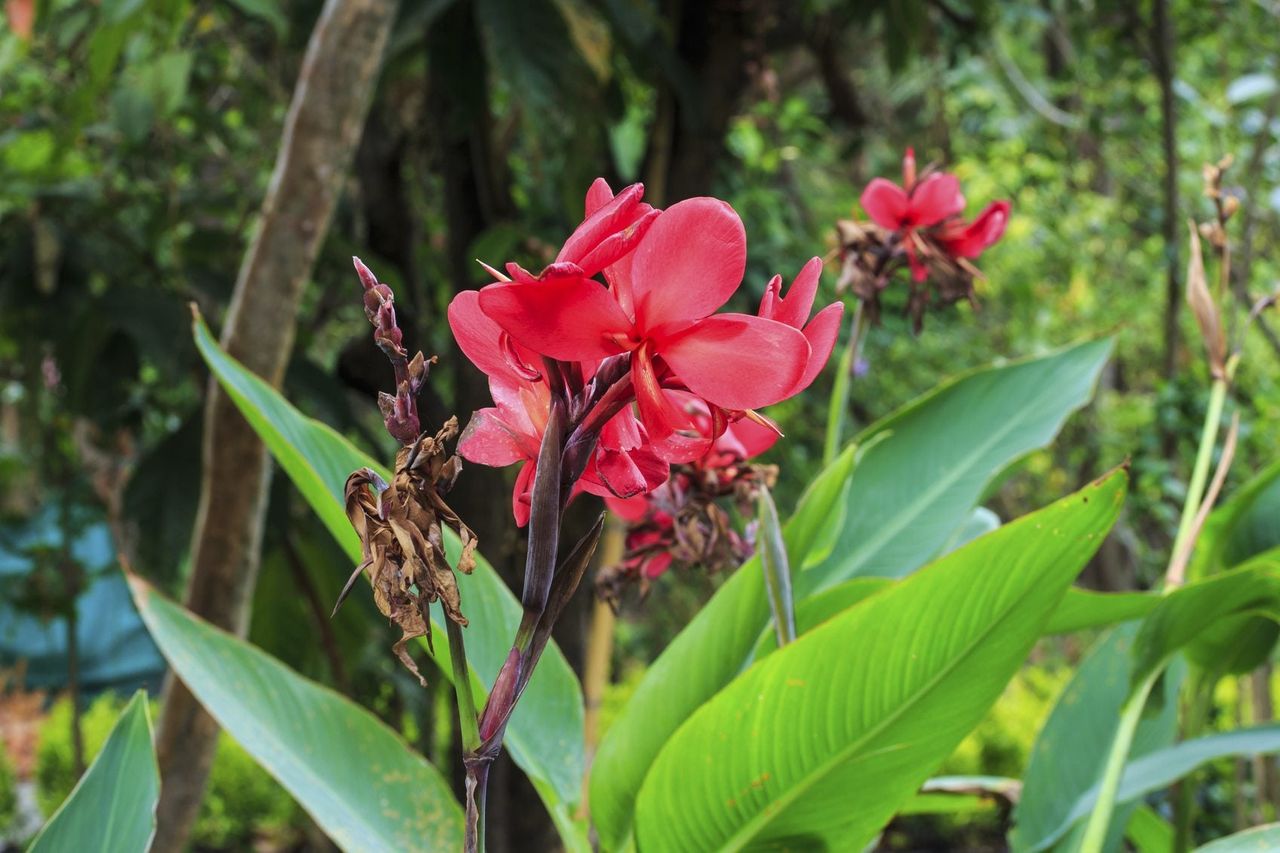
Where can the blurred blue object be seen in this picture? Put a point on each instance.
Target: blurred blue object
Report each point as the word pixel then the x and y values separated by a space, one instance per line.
pixel 115 649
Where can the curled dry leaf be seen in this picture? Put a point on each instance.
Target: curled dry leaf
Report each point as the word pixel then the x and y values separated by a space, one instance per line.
pixel 400 533
pixel 1204 309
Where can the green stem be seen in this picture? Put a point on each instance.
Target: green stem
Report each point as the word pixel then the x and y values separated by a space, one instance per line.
pixel 839 404
pixel 1095 834
pixel 1200 473
pixel 462 687
pixel 776 570
pixel 1195 718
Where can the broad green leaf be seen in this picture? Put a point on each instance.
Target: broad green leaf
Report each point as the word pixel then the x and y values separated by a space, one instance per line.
pixel 1160 769
pixel 1078 610
pixel 1241 528
pixel 545 734
pixel 113 807
pixel 823 740
pixel 930 464
pixel 361 783
pixel 962 794
pixel 916 487
pixel 1148 832
pixel 1187 616
pixel 1259 839
pixel 1071 749
pixel 704 656
pixel 1085 608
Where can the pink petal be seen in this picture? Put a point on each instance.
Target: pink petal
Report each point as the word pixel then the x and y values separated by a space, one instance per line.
pixel 885 202
pixel 618 244
pixel 628 509
pixel 478 336
pixel 613 216
pixel 690 262
pixel 489 440
pixel 821 333
pixel 521 499
pixel 934 199
pixel 737 361
pixel 793 309
pixel 659 415
pixel 567 318
pixel 598 196
pixel 972 240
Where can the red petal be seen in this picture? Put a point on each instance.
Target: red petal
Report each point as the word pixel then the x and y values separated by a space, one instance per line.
pixel 659 415
pixel 690 262
pixel 489 440
pixel 656 565
pixel 613 216
pixel 521 500
pixel 619 244
pixel 885 202
pixel 567 318
pixel 821 333
pixel 737 361
pixel 628 509
pixel 477 335
pixel 972 240
pixel 934 199
pixel 598 196
pixel 753 438
pixel 793 309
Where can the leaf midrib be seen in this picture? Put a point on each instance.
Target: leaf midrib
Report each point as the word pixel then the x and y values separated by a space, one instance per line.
pixel 765 816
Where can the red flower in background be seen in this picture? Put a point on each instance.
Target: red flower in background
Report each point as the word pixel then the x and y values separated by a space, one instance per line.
pixel 961 239
pixel 912 206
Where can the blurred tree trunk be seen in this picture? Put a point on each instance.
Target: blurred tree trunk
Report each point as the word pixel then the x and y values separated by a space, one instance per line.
pixel 331 97
pixel 1163 40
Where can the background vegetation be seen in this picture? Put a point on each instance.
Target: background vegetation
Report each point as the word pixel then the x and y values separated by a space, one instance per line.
pixel 138 138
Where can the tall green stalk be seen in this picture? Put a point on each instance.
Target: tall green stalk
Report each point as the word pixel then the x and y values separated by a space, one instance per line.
pixel 468 720
pixel 1095 833
pixel 839 405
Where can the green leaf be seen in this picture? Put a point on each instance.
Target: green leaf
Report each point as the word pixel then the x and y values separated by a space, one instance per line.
pixel 545 735
pixel 1085 608
pixel 705 655
pixel 1259 839
pixel 265 10
pixel 1071 750
pixel 1160 769
pixel 1080 608
pixel 915 488
pixel 861 709
pixel 361 783
pixel 1242 528
pixel 113 806
pixel 1187 617
pixel 1148 832
pixel 930 463
pixel 962 794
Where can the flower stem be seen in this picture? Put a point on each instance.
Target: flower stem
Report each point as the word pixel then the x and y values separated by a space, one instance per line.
pixel 844 381
pixel 1199 477
pixel 1095 834
pixel 776 570
pixel 462 687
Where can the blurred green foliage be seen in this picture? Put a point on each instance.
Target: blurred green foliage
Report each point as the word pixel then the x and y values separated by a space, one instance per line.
pixel 243 802
pixel 8 791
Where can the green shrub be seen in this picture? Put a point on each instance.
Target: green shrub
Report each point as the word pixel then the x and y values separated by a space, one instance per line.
pixel 241 801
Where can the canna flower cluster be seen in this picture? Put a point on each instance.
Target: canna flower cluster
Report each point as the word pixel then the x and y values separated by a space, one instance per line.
pixel 619 347
pixel 919 225
pixel 682 522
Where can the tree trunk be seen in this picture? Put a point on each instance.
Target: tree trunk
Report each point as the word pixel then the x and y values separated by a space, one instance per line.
pixel 1162 51
pixel 331 97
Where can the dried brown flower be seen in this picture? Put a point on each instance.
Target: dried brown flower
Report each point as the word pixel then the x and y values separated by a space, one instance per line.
pixel 400 533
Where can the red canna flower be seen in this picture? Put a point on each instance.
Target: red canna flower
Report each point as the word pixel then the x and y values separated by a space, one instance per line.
pixel 962 239
pixel 794 308
pixel 659 307
pixel 914 205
